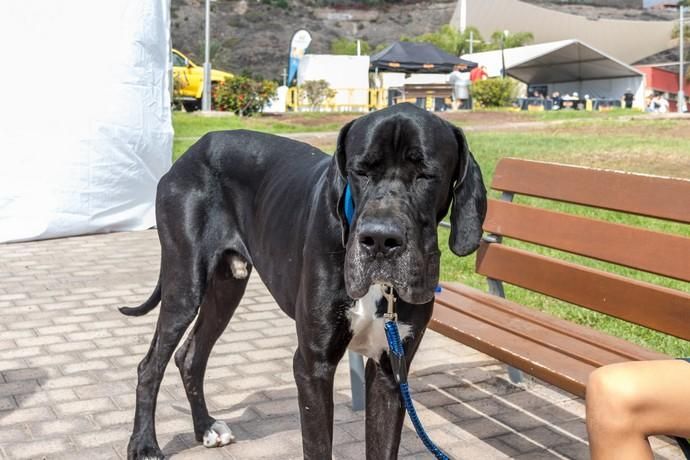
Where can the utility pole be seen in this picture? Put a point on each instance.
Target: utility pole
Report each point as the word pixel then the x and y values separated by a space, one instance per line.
pixel 463 15
pixel 206 97
pixel 681 74
pixel 503 57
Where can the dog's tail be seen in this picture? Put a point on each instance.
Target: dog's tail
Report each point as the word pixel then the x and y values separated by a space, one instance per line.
pixel 145 307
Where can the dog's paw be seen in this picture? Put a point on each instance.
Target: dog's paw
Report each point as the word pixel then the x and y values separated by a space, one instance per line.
pixel 238 266
pixel 218 435
pixel 144 453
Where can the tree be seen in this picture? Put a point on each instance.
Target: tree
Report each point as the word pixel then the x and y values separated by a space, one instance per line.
pixel 452 41
pixel 446 38
pixel 344 46
pixel 512 40
pixel 317 92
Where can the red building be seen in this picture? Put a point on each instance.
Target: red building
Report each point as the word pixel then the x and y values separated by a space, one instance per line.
pixel 663 81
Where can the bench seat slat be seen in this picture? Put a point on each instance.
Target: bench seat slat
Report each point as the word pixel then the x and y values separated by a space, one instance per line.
pixel 568 338
pixel 656 307
pixel 452 318
pixel 653 196
pixel 633 247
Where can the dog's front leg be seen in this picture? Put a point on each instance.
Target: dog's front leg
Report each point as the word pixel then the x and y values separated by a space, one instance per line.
pixel 385 412
pixel 323 336
pixel 314 375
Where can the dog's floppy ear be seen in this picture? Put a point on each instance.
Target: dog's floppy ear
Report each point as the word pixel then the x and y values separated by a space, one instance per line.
pixel 340 158
pixel 469 201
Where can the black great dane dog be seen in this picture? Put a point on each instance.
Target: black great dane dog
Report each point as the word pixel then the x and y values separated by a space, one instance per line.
pixel 239 199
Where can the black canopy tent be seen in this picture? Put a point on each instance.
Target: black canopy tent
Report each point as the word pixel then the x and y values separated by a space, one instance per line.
pixel 417 58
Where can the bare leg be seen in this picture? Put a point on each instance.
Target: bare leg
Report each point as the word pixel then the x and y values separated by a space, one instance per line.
pixel 627 402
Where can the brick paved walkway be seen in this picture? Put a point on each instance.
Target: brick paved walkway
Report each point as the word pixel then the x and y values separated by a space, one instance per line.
pixel 68 370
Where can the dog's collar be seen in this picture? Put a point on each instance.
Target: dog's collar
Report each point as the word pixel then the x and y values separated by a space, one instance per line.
pixel 348 204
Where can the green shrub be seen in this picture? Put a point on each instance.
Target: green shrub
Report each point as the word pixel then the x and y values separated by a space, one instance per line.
pixel 316 92
pixel 494 92
pixel 349 47
pixel 242 95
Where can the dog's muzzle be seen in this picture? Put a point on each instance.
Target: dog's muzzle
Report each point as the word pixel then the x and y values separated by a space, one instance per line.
pixel 379 251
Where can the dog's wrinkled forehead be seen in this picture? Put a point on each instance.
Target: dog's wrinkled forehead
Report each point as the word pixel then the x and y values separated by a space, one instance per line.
pixel 401 137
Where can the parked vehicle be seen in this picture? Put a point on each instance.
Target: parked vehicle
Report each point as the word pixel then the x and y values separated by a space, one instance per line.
pixel 189 80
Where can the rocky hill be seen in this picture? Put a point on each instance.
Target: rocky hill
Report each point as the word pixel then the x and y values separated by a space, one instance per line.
pixel 252 36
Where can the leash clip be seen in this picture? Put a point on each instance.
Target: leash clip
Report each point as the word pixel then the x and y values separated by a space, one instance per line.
pixel 389 295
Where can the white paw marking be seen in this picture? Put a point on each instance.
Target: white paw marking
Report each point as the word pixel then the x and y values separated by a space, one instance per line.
pixel 238 266
pixel 368 333
pixel 218 435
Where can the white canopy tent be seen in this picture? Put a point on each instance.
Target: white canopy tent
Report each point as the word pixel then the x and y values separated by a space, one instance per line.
pixel 86 124
pixel 566 66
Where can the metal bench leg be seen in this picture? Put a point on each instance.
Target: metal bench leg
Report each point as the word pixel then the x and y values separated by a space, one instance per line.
pixel 357 380
pixel 514 374
pixel 496 288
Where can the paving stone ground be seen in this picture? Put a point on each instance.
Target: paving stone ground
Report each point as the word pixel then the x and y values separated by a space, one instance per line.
pixel 68 372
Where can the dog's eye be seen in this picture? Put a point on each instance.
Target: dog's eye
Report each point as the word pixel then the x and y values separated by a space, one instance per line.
pixel 425 176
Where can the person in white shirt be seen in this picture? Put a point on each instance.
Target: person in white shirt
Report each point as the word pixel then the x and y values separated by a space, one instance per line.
pixel 461 88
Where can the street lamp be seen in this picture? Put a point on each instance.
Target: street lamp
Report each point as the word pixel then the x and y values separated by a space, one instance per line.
pixel 206 96
pixel 681 75
pixel 503 58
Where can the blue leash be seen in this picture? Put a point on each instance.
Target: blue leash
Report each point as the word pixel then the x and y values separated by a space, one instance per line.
pixel 398 363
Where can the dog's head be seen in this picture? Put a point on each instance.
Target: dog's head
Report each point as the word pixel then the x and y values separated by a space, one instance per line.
pixel 404 166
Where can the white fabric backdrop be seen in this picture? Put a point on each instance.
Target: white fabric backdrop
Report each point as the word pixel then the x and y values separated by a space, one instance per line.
pixel 85 122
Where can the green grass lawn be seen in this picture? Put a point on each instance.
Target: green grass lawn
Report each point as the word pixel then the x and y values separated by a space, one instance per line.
pixel 609 140
pixel 189 127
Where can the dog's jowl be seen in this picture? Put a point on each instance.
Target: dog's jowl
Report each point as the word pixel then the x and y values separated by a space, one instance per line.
pixel 239 200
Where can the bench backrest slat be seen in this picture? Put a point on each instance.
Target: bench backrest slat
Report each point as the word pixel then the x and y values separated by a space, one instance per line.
pixel 660 197
pixel 659 308
pixel 646 250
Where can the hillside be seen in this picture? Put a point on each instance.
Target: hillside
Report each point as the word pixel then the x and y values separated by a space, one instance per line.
pixel 253 36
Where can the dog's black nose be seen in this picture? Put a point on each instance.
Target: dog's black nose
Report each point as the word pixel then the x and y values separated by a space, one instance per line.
pixel 380 238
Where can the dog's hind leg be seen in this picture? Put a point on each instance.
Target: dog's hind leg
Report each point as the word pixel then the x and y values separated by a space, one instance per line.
pixel 224 294
pixel 182 293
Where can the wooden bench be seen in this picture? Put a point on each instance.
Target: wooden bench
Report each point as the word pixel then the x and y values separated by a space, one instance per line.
pixel 555 350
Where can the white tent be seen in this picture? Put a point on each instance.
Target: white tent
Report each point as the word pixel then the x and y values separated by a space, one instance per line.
pixel 85 121
pixel 347 75
pixel 566 66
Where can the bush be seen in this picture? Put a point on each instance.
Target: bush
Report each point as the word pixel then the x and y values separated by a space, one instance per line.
pixel 242 95
pixel 317 92
pixel 349 47
pixel 494 92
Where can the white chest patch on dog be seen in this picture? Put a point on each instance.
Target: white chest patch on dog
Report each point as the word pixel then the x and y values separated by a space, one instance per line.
pixel 368 333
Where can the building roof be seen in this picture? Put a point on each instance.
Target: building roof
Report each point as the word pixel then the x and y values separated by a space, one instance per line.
pixel 667 59
pixel 554 62
pixel 416 57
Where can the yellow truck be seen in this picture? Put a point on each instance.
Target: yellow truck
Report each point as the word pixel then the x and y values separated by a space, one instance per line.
pixel 189 80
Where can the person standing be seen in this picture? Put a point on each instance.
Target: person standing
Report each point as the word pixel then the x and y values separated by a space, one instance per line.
pixel 460 87
pixel 478 73
pixel 628 98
